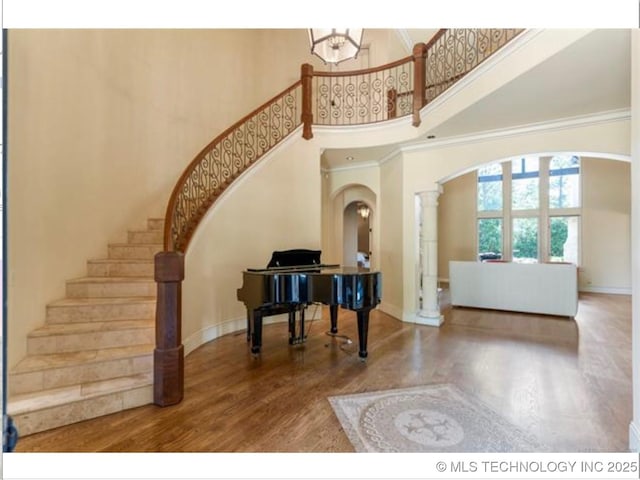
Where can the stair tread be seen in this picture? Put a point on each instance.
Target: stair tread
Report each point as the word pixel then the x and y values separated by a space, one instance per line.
pixel 29 402
pixel 144 230
pixel 67 302
pixel 111 280
pixel 87 327
pixel 122 260
pixel 46 361
pixel 153 244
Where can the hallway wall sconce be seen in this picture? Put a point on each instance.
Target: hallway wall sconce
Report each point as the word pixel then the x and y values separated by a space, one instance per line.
pixel 363 211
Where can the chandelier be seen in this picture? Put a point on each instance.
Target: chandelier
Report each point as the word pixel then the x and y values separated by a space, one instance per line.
pixel 335 45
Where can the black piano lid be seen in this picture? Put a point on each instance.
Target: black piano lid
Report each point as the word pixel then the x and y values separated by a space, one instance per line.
pixel 312 269
pixel 294 257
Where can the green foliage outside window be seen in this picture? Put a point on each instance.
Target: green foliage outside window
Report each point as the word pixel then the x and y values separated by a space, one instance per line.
pixel 525 238
pixel 490 235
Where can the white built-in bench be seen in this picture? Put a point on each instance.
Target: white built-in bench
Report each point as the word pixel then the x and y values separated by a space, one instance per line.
pixel 545 288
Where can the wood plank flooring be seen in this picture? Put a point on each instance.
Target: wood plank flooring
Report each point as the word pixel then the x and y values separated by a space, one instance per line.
pixel 567 383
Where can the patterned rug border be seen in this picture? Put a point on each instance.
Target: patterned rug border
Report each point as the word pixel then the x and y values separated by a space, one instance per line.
pixel 351 428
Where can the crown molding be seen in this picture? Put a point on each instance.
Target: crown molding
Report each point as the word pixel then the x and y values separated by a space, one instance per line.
pixel 527 129
pixel 355 166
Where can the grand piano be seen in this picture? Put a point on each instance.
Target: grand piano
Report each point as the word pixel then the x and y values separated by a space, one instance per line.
pixel 294 279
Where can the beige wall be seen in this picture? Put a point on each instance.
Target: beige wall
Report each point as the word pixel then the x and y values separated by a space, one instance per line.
pixel 276 206
pixel 606 209
pixel 100 125
pixel 456 222
pixel 391 241
pixel 606 226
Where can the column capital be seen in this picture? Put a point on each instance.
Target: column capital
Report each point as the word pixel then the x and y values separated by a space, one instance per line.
pixel 430 197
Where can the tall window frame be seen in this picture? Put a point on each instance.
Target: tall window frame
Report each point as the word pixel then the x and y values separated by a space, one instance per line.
pixel 545 213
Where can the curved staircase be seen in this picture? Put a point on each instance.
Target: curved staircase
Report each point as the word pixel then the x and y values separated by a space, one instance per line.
pixel 94 354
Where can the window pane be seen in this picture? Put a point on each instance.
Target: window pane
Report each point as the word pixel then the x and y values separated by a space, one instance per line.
pixel 490 188
pixel 525 174
pixel 490 238
pixel 564 182
pixel 564 239
pixel 525 239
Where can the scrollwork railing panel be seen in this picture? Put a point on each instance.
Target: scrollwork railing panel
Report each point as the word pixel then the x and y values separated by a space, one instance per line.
pixel 224 160
pixel 458 51
pixel 334 98
pixel 365 96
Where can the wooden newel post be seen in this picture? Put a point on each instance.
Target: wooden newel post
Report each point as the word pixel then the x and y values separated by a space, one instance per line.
pixel 306 75
pixel 168 356
pixel 419 80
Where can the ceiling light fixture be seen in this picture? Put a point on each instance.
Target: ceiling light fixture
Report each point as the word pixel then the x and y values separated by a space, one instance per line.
pixel 335 45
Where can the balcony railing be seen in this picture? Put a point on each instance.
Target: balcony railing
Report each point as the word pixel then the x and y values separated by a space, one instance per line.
pixel 326 98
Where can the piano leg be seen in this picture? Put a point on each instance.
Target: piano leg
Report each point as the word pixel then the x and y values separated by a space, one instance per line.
pixel 248 325
pixel 292 326
pixel 256 331
pixel 363 330
pixel 333 311
pixel 302 308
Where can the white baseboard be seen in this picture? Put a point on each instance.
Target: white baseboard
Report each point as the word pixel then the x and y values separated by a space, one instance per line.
pixel 435 321
pixel 634 437
pixel 212 332
pixel 609 290
pixel 392 310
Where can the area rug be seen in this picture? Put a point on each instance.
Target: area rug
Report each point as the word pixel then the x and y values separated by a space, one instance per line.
pixel 432 418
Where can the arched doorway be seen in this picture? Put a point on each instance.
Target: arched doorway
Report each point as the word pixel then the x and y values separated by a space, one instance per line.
pixel 356 238
pixel 350 210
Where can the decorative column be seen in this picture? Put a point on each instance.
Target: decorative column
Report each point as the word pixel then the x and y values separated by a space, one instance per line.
pixel 168 356
pixel 429 313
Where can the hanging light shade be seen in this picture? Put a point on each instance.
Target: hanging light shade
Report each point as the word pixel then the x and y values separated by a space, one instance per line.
pixel 363 210
pixel 335 45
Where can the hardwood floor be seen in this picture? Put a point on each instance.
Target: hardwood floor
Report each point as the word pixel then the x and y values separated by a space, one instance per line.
pixel 567 383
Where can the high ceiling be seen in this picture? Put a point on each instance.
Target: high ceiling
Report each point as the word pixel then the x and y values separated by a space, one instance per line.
pixel 590 76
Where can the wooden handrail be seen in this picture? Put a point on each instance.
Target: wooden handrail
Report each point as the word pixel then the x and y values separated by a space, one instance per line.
pixel 436 37
pixel 173 240
pixel 169 243
pixel 350 73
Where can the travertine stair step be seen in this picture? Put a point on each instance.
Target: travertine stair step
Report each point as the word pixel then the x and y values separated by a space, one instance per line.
pixel 100 309
pixel 49 409
pixel 155 224
pixel 43 372
pixel 144 251
pixel 111 267
pixel 76 337
pixel 145 236
pixel 110 287
pixel 94 355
